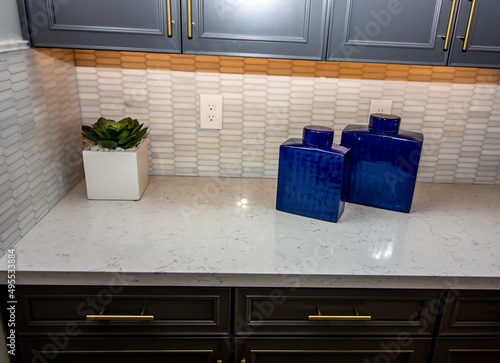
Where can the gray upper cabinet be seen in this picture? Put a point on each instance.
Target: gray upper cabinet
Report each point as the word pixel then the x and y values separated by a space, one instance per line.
pixel 429 32
pixel 480 20
pixel 264 28
pixel 146 25
pixel 389 31
pixel 416 32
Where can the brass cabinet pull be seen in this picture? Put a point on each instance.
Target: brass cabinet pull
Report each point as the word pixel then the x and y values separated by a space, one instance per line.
pixel 451 19
pixel 243 360
pixel 339 317
pixel 356 317
pixel 169 18
pixel 219 360
pixel 466 38
pixel 102 317
pixel 190 18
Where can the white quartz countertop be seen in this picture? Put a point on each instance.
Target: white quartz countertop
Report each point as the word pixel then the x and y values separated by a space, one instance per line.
pixel 200 231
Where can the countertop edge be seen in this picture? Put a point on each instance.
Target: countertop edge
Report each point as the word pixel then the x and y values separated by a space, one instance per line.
pixel 252 280
pixel 450 241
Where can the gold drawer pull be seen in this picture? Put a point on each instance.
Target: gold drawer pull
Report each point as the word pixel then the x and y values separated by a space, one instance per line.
pixel 339 317
pixel 451 19
pixel 356 317
pixel 120 317
pixel 169 18
pixel 466 38
pixel 102 317
pixel 190 19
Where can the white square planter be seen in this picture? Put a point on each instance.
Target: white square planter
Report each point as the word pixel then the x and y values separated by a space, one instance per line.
pixel 116 175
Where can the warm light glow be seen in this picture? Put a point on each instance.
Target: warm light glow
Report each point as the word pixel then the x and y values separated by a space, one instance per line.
pixel 243 203
pixel 387 253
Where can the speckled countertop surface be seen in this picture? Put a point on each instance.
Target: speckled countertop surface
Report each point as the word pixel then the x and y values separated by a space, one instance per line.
pixel 199 231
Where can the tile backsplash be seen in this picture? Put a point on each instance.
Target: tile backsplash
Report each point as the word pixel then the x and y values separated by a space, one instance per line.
pixel 46 94
pixel 267 101
pixel 40 144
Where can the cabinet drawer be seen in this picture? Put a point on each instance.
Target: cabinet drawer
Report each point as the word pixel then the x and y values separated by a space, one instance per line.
pixel 324 350
pixel 467 350
pixel 123 350
pixel 173 310
pixel 289 311
pixel 471 312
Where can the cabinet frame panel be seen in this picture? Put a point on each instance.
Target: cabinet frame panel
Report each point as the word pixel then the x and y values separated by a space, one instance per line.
pixel 419 322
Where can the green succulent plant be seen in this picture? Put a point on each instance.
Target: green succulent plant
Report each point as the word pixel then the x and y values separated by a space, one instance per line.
pixel 125 133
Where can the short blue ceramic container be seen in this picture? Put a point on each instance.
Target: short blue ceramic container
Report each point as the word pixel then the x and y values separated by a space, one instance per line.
pixel 312 175
pixel 384 163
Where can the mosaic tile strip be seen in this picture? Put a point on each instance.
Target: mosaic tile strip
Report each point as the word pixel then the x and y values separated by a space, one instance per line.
pixel 460 121
pixel 40 143
pixel 285 67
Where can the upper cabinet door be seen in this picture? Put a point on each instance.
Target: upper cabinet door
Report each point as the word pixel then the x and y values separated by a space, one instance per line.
pixel 480 20
pixel 105 24
pixel 389 31
pixel 255 28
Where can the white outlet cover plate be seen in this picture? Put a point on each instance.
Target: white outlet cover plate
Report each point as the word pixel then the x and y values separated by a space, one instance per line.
pixel 210 119
pixel 380 106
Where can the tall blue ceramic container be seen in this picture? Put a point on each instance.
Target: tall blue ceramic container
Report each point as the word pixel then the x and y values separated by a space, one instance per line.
pixel 312 175
pixel 384 163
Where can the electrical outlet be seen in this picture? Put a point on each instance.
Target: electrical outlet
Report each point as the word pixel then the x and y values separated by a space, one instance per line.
pixel 380 106
pixel 211 111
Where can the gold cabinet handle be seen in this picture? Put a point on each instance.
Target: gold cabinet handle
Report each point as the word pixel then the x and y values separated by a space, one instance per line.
pixel 356 317
pixel 169 18
pixel 103 317
pixel 466 38
pixel 339 317
pixel 190 18
pixel 219 360
pixel 243 360
pixel 451 19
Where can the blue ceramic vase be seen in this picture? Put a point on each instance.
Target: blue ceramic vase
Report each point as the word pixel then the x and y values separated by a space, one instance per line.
pixel 384 163
pixel 312 175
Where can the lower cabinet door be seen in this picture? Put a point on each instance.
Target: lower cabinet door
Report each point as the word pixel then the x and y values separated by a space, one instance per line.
pixel 471 313
pixel 467 350
pixel 58 348
pixel 328 350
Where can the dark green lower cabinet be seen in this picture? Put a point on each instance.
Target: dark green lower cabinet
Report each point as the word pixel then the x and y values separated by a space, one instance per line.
pixel 124 350
pixel 328 350
pixel 76 324
pixel 470 328
pixel 467 350
pixel 94 324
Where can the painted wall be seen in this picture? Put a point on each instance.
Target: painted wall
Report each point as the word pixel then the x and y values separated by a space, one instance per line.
pixel 10 30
